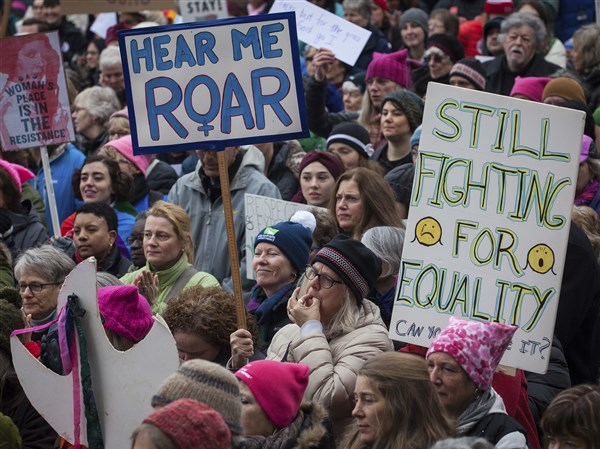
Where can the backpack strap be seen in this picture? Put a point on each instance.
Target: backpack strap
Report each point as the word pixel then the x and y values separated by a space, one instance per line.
pixel 180 283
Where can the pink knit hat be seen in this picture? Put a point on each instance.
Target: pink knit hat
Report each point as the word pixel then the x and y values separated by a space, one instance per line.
pixel 124 146
pixel 126 313
pixel 191 424
pixel 17 172
pixel 531 87
pixel 277 386
pixel 477 347
pixel 391 66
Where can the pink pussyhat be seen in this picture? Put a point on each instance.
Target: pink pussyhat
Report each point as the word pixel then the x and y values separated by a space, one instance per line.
pixel 17 172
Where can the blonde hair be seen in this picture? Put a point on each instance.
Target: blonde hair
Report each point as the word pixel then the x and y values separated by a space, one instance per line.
pixel 587 219
pixel 180 221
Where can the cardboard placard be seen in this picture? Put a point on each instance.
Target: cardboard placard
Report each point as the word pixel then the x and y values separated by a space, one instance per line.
pixel 263 211
pixel 489 219
pixel 34 105
pixel 321 29
pixel 96 6
pixel 123 382
pixel 202 10
pixel 213 84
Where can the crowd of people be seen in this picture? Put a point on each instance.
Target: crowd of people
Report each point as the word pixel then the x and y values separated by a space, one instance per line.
pixel 314 367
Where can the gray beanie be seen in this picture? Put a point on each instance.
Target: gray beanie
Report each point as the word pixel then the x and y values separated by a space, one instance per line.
pixel 205 382
pixel 415 15
pixel 409 103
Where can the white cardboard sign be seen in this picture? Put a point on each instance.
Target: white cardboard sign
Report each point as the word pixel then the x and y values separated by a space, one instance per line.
pixel 262 211
pixel 214 84
pixel 489 219
pixel 123 382
pixel 201 10
pixel 34 105
pixel 321 29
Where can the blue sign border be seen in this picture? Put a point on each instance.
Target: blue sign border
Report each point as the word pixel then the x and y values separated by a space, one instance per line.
pixel 218 145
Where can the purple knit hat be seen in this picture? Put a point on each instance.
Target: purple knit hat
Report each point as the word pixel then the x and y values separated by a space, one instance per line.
pixel 476 346
pixel 531 87
pixel 391 66
pixel 126 313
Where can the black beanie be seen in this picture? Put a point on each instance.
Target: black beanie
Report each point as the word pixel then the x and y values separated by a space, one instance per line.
pixel 401 181
pixel 449 45
pixel 472 70
pixel 409 103
pixel 356 264
pixel 353 135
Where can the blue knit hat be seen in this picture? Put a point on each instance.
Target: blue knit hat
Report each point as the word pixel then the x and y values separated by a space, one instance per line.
pixel 293 239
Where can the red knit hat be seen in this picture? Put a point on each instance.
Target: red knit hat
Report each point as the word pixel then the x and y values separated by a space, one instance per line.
pixel 503 7
pixel 191 424
pixel 277 386
pixel 382 4
pixel 391 66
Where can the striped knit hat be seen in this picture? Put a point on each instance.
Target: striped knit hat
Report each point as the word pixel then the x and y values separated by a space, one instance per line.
pixel 206 382
pixel 472 70
pixel 356 264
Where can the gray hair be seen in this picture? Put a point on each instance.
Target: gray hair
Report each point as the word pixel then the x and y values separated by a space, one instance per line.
pixel 520 19
pixel 104 279
pixel 387 243
pixel 100 102
pixel 46 261
pixel 110 57
pixel 362 6
pixel 587 39
pixel 463 443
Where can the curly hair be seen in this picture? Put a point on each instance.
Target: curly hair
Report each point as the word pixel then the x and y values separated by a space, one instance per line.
pixel 122 183
pixel 208 313
pixel 587 219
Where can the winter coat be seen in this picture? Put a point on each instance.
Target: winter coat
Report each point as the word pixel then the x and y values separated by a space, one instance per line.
pixel 281 169
pixel 161 176
pixel 28 230
pixel 310 429
pixel 274 317
pixel 334 363
pixel 320 121
pixel 208 218
pixel 377 42
pixel 35 432
pixel 114 263
pixel 167 279
pixel 380 155
pixel 63 163
pixel 500 79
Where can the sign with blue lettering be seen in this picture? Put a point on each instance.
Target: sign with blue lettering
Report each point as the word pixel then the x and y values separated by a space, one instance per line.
pixel 214 84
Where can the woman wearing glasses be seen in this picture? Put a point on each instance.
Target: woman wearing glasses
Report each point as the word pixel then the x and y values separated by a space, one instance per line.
pixel 40 273
pixel 169 254
pixel 334 331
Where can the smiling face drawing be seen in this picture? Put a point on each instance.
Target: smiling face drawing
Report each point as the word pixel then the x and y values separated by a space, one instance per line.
pixel 428 231
pixel 541 258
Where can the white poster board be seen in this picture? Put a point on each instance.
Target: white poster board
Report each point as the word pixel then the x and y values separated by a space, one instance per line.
pixel 321 29
pixel 489 219
pixel 123 381
pixel 201 10
pixel 213 84
pixel 262 211
pixel 34 105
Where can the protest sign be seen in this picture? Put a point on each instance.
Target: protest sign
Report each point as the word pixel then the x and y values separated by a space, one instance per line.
pixel 489 219
pixel 34 105
pixel 122 399
pixel 262 211
pixel 201 10
pixel 87 7
pixel 321 29
pixel 213 84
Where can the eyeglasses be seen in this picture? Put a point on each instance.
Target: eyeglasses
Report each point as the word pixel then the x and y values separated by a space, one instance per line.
pixel 135 238
pixel 36 287
pixel 325 281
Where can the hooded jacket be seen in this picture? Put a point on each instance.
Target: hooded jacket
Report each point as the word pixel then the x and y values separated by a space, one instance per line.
pixel 28 230
pixel 208 218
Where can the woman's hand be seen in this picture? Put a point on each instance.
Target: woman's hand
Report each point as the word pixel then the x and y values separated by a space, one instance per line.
pixel 147 284
pixel 322 62
pixel 242 348
pixel 302 309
